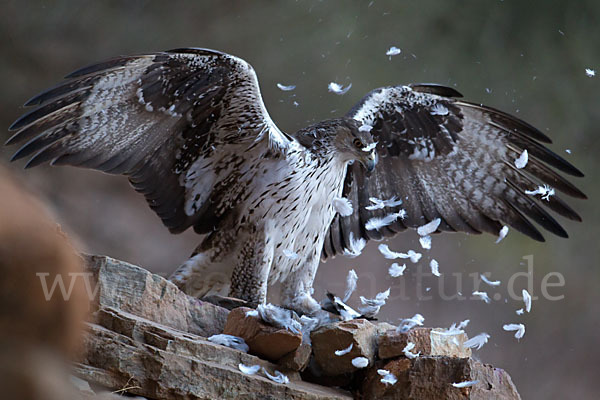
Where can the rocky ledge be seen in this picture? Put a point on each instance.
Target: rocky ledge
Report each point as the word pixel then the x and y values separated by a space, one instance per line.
pixel 147 338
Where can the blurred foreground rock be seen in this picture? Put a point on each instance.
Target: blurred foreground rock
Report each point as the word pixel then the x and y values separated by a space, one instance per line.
pixel 149 339
pixel 39 330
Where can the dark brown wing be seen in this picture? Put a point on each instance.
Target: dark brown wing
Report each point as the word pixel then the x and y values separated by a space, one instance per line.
pixel 168 121
pixel 454 160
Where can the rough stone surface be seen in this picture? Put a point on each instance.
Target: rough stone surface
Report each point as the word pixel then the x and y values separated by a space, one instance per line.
pixel 264 340
pixel 132 289
pixel 147 338
pixel 383 327
pixel 313 373
pixel 426 378
pixel 444 344
pixel 392 343
pixel 361 333
pixel 159 362
pixel 298 359
pixel 428 341
pixel 373 388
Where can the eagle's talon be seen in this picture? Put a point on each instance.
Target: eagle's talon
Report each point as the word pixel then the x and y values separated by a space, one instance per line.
pixel 334 305
pixel 228 302
pixel 303 304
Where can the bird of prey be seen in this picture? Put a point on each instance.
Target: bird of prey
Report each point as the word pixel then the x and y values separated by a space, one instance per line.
pixel 188 127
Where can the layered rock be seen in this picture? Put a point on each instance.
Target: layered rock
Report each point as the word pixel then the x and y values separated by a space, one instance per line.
pixel 147 338
pixel 265 341
pixel 122 286
pixel 433 378
pixel 165 358
pixel 326 340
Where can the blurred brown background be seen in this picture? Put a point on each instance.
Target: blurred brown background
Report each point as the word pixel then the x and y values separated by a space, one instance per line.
pixel 527 58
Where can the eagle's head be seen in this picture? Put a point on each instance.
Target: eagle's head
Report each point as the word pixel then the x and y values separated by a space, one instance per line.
pixel 344 138
pixel 355 143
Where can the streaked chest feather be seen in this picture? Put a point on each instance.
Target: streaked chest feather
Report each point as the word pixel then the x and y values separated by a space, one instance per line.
pixel 297 208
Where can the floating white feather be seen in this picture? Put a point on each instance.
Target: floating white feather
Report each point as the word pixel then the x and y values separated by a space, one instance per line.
pixel 351 280
pixel 379 204
pixel 393 51
pixel 477 342
pixel 387 377
pixel 465 384
pixel 413 256
pixel 346 312
pixel 429 227
pixel 231 341
pixel 342 206
pixel 491 283
pixel 344 351
pixel 408 323
pixel 286 88
pixel 249 369
pixel 337 88
pixel 544 191
pixel 455 329
pixel 521 161
pixel 463 324
pixel 425 242
pixel 407 351
pixel 373 305
pixel 377 223
pixel 527 300
pixel 278 317
pixel 482 295
pixel 435 267
pixel 356 246
pixel 387 253
pixel 360 362
pixel 518 328
pixel 278 377
pixel 392 255
pixel 395 270
pixel 379 300
pixel 590 72
pixel 502 234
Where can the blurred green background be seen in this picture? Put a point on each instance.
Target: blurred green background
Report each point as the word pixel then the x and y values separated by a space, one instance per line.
pixel 527 58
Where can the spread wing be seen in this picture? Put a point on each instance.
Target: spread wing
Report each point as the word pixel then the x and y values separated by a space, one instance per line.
pixel 179 124
pixel 454 160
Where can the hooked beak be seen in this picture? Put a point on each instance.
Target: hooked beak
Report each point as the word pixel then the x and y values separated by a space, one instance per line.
pixel 370 161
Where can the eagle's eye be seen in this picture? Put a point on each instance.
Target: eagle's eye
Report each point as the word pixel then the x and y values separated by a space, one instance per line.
pixel 358 143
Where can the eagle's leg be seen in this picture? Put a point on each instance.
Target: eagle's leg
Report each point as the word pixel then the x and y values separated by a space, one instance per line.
pixel 251 272
pixel 208 271
pixel 199 277
pixel 297 288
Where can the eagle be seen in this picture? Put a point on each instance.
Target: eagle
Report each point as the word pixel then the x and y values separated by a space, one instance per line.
pixel 189 129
